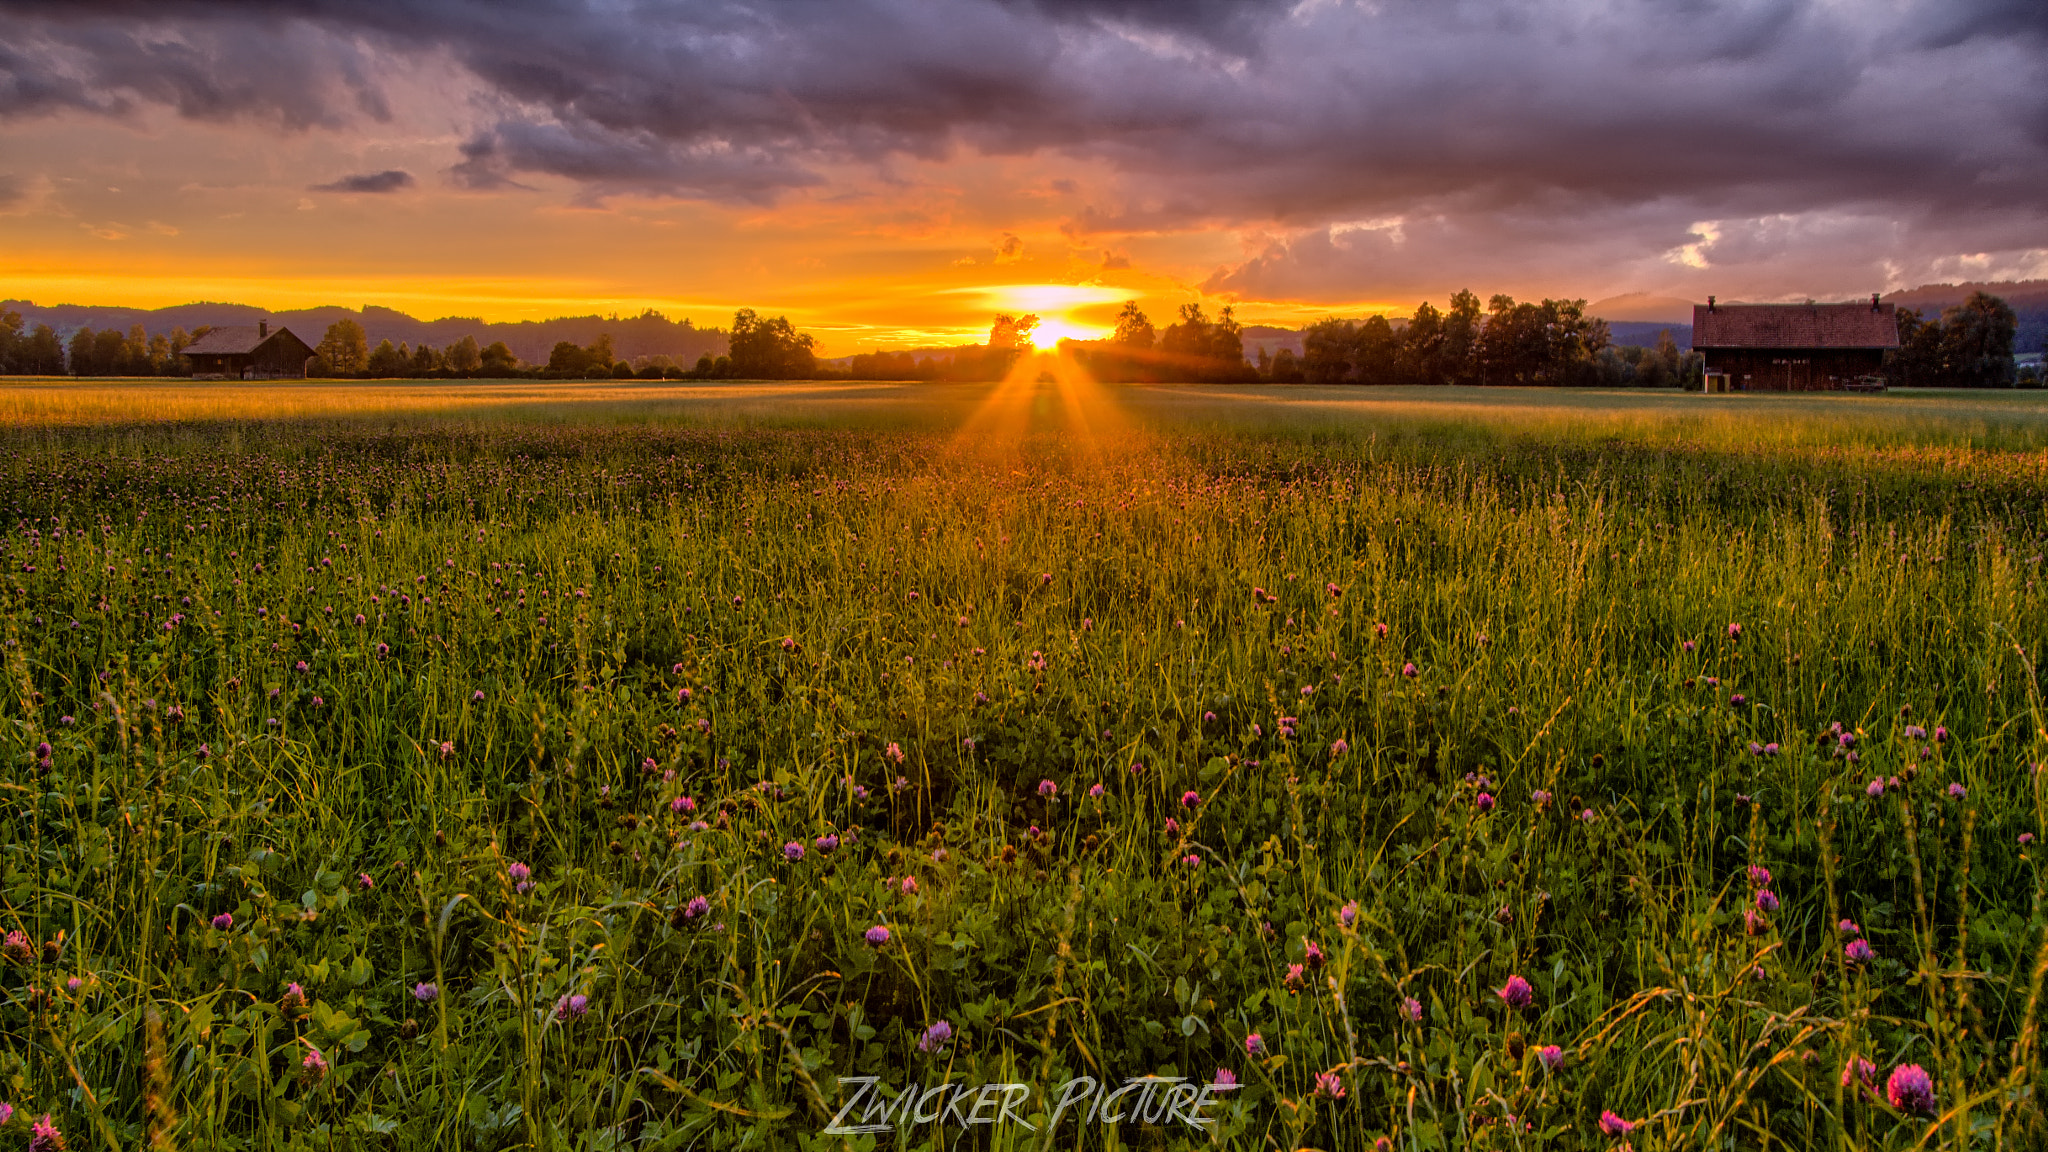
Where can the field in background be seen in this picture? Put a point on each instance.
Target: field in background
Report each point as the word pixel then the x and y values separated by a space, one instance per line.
pixel 532 765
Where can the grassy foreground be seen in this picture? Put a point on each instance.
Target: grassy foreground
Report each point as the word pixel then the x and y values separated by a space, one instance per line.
pixel 491 770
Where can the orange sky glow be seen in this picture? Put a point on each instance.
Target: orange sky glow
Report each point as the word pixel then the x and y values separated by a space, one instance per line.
pixel 892 173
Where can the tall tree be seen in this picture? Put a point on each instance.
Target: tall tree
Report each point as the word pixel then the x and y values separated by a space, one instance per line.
pixel 1461 339
pixel 1421 359
pixel 386 361
pixel 1976 342
pixel 463 355
pixel 762 349
pixel 1377 351
pixel 344 348
pixel 11 342
pixel 1133 329
pixel 1328 350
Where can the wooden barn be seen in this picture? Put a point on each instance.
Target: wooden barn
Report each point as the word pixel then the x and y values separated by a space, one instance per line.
pixel 248 352
pixel 1794 347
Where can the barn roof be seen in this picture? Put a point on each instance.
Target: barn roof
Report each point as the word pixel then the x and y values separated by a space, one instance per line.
pixel 235 340
pixel 1860 325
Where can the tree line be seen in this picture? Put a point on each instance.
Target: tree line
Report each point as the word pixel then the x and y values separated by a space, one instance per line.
pixel 1968 346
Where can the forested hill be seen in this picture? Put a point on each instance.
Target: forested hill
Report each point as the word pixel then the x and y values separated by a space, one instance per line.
pixel 2028 298
pixel 648 334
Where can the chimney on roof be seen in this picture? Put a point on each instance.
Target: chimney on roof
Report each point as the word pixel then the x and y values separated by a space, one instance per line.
pixel 1710 303
pixel 263 329
pixel 1873 301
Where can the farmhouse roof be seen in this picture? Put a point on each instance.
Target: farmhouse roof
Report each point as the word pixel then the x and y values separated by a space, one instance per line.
pixel 1860 325
pixel 235 340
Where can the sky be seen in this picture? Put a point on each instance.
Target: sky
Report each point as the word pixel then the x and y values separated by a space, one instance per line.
pixel 890 173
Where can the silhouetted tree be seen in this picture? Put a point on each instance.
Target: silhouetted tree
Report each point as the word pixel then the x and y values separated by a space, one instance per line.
pixel 761 349
pixel 1328 350
pixel 1976 342
pixel 386 361
pixel 344 349
pixel 463 355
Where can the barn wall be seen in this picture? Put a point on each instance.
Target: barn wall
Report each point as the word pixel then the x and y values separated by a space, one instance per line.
pixel 1794 369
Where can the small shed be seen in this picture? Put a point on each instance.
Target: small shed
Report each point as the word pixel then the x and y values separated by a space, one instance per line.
pixel 1794 347
pixel 249 352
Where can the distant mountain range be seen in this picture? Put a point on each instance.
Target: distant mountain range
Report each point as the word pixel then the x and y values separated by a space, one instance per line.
pixel 648 334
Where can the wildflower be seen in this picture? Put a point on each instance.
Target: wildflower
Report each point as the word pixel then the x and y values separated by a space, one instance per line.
pixel 293 1001
pixel 1859 1069
pixel 1329 1084
pixel 44 1137
pixel 1910 1089
pixel 1755 749
pixel 1192 860
pixel 447 749
pixel 1771 749
pixel 938 855
pixel 1254 1044
pixel 1410 1009
pixel 520 875
pixel 16 948
pixel 6 1114
pixel 1540 798
pixel 1940 736
pixel 1208 717
pixel 426 992
pixel 1589 816
pixel 794 850
pixel 1551 1056
pixel 1483 802
pixel 1339 748
pixel 1875 788
pixel 1766 900
pixel 936 1037
pixel 364 882
pixel 1379 631
pixel 2026 837
pixel 1517 994
pixel 477 696
pixel 1859 951
pixel 1095 791
pixel 1224 1079
pixel 224 921
pixel 682 804
pixel 572 1007
pixel 909 885
pixel 1688 645
pixel 877 935
pixel 1408 670
pixel 1348 914
pixel 313 1068
pixel 1172 826
pixel 1333 590
pixel 383 650
pixel 1312 954
pixel 1190 798
pixel 1957 791
pixel 1915 732
pixel 1048 789
pixel 1293 978
pixel 825 843
pixel 1612 1125
pixel 1759 875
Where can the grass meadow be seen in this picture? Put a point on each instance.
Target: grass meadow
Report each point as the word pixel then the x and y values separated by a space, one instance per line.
pixel 533 766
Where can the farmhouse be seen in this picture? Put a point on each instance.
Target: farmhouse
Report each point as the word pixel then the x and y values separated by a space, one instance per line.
pixel 248 352
pixel 1794 347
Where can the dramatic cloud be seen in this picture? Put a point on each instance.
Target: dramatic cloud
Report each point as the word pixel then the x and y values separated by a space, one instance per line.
pixel 389 180
pixel 1356 146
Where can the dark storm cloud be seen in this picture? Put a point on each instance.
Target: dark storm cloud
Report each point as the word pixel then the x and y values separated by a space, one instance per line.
pixel 389 180
pixel 1520 120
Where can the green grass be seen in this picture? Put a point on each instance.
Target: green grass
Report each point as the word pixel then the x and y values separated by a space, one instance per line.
pixel 896 610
